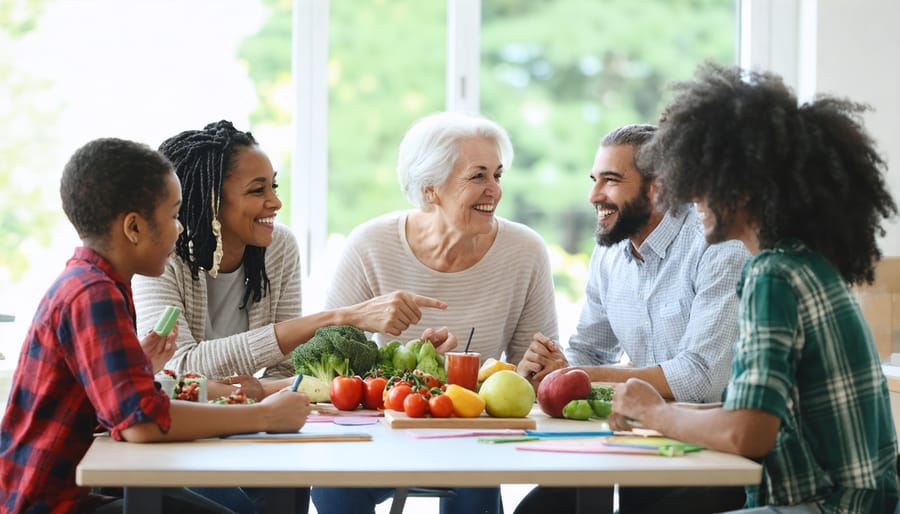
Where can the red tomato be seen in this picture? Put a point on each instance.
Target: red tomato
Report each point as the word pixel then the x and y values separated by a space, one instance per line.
pixel 346 392
pixel 374 394
pixel 396 395
pixel 441 406
pixel 429 381
pixel 415 405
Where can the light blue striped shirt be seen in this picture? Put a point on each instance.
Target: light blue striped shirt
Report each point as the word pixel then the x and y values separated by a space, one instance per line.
pixel 677 308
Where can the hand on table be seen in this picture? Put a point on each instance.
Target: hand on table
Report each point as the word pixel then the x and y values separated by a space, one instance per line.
pixel 634 400
pixel 159 349
pixel 443 340
pixel 542 357
pixel 392 313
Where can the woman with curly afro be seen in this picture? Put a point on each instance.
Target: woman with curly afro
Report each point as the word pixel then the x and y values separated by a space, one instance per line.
pixel 802 187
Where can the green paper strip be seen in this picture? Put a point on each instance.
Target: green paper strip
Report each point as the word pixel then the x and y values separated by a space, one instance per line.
pixel 167 321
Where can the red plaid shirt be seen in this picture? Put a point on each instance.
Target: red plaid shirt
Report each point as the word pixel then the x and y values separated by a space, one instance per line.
pixel 81 364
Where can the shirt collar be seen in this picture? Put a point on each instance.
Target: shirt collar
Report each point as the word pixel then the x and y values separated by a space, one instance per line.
pixel 662 237
pixel 83 253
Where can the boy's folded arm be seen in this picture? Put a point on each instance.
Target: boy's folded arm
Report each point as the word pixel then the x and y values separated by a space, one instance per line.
pixel 195 421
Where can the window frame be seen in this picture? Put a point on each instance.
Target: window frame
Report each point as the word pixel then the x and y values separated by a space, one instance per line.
pixel 771 35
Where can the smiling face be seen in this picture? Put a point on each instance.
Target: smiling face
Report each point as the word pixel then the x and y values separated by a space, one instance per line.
pixel 470 195
pixel 620 195
pixel 249 202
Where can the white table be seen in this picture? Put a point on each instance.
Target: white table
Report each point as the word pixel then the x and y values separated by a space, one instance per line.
pixel 393 458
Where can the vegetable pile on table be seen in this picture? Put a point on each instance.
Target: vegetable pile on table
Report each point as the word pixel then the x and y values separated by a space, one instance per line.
pixel 409 378
pixel 396 358
pixel 335 350
pixel 414 392
pixel 598 404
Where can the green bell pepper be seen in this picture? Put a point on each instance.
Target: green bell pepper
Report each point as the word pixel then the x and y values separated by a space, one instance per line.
pixel 578 409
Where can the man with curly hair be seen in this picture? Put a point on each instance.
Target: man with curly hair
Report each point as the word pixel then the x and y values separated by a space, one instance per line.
pixel 803 188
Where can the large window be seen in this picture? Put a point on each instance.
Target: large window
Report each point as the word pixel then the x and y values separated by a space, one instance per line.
pixel 74 71
pixel 328 88
pixel 559 75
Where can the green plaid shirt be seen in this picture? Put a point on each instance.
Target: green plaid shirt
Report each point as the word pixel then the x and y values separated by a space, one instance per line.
pixel 805 354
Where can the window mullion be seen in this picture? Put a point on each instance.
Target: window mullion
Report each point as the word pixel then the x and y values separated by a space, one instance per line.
pixel 463 55
pixel 309 185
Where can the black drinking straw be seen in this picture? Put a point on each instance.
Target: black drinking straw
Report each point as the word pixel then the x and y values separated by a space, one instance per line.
pixel 471 332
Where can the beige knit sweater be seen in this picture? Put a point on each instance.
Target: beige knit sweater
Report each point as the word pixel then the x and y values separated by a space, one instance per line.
pixel 507 296
pixel 243 353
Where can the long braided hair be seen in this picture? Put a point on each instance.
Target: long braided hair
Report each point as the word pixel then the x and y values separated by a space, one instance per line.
pixel 203 159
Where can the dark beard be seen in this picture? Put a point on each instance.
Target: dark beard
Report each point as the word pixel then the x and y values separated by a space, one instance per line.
pixel 632 217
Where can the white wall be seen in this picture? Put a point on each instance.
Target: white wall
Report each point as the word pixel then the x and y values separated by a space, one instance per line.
pixel 858 45
pixel 846 48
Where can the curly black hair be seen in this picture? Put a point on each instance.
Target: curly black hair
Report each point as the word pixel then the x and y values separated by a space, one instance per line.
pixel 739 140
pixel 203 159
pixel 108 177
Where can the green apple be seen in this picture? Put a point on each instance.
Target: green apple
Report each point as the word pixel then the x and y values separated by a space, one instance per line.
pixel 507 394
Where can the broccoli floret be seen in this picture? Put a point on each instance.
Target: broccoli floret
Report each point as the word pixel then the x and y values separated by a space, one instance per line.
pixel 604 393
pixel 326 368
pixel 314 358
pixel 339 365
pixel 351 343
pixel 324 355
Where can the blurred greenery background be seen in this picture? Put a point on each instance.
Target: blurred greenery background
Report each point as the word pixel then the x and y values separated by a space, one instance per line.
pixel 558 74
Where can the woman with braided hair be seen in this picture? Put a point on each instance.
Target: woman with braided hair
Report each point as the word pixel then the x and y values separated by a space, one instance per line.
pixel 802 187
pixel 236 273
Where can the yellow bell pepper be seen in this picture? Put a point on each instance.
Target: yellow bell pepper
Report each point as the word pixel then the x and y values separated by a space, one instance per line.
pixel 466 403
pixel 492 366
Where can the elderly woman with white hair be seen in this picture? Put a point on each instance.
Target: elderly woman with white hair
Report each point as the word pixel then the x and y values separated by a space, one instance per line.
pixel 493 274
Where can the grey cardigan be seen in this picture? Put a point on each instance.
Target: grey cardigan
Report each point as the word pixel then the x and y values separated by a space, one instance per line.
pixel 243 353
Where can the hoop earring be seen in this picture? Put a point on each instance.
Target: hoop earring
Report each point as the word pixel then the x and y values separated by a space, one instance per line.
pixel 217 233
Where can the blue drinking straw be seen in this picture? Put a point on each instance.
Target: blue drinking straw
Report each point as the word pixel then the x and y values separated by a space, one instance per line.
pixel 297 382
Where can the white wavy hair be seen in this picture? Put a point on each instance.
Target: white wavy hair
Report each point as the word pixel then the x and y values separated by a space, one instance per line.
pixel 430 148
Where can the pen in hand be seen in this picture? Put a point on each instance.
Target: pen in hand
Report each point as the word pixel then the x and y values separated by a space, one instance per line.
pixel 297 381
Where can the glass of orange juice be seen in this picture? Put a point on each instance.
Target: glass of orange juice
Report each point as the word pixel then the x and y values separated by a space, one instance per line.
pixel 462 368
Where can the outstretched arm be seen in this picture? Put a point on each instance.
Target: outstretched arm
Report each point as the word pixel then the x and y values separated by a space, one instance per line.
pixel 747 432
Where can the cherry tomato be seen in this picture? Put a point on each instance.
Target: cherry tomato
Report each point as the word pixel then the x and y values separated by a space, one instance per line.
pixel 415 405
pixel 346 392
pixel 441 406
pixel 429 381
pixel 374 394
pixel 396 395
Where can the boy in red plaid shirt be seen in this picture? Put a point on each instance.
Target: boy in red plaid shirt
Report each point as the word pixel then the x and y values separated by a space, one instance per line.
pixel 82 364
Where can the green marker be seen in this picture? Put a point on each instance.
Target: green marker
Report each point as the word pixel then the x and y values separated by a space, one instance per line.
pixel 167 321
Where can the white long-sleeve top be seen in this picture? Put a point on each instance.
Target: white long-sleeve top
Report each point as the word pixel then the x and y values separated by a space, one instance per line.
pixel 507 296
pixel 245 352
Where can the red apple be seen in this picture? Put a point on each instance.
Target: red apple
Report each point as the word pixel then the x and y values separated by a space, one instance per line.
pixel 560 387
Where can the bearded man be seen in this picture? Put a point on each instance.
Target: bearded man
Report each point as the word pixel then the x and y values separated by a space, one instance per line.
pixel 658 293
